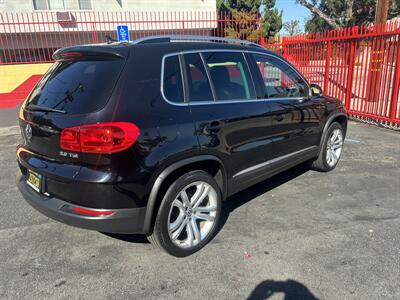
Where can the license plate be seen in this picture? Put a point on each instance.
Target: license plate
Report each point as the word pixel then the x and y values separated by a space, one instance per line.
pixel 34 180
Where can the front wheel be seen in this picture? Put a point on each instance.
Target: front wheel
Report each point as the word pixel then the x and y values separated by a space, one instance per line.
pixel 188 215
pixel 331 150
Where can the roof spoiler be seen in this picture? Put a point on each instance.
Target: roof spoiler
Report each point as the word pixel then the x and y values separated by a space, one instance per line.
pixel 91 52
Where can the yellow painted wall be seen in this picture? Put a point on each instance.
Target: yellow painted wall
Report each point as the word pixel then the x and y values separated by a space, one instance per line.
pixel 11 76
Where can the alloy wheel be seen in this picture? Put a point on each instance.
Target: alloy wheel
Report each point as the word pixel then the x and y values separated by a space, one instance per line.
pixel 334 147
pixel 192 214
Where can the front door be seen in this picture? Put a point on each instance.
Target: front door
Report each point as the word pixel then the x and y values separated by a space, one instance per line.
pixel 294 116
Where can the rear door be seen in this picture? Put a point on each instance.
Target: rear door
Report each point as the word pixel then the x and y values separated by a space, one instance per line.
pixel 230 121
pixel 294 116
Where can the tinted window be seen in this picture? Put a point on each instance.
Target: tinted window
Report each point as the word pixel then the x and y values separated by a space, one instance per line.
pixel 230 76
pixel 172 85
pixel 77 87
pixel 199 87
pixel 280 80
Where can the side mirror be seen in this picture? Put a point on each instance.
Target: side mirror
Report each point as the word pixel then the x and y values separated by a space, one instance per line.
pixel 315 90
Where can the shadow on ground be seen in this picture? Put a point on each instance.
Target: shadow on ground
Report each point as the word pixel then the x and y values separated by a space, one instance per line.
pixel 131 238
pixel 232 202
pixel 290 289
pixel 260 188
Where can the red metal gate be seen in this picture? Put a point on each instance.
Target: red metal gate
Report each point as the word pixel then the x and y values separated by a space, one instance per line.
pixel 359 65
pixel 33 37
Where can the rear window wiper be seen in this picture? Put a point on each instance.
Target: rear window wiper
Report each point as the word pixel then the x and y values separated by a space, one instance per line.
pixel 33 107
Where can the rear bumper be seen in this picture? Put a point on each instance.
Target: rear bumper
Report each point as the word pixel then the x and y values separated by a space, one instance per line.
pixel 126 220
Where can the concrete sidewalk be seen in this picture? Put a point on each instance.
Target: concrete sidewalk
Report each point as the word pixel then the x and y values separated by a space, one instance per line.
pixel 9 116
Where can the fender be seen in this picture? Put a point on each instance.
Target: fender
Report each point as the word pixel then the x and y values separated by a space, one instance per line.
pixel 164 174
pixel 327 123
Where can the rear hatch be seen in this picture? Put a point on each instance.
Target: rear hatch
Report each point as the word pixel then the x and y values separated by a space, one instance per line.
pixel 72 92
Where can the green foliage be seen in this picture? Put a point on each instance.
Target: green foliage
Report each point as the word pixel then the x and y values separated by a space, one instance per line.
pixel 272 19
pixel 246 18
pixel 245 5
pixel 244 26
pixel 292 27
pixel 363 13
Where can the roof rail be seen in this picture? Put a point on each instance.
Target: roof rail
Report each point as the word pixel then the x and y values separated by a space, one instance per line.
pixel 171 38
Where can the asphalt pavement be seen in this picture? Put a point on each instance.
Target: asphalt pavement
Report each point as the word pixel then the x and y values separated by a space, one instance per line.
pixel 299 235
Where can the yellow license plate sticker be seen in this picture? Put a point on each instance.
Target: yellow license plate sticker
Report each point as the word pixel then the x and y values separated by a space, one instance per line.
pixel 34 180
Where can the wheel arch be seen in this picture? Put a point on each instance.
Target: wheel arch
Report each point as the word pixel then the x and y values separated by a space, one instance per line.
pixel 168 174
pixel 339 117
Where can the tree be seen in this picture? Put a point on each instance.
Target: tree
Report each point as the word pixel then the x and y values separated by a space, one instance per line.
pixel 334 14
pixel 245 18
pixel 245 5
pixel 292 27
pixel 272 19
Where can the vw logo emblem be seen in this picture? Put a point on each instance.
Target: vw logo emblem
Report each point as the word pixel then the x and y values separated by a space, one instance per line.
pixel 28 131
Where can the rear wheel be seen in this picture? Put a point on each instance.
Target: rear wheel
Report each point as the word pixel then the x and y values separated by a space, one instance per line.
pixel 188 215
pixel 331 150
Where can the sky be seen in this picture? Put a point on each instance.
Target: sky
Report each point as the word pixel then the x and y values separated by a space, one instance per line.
pixel 293 11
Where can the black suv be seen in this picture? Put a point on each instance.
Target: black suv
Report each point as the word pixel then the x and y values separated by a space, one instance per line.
pixel 150 136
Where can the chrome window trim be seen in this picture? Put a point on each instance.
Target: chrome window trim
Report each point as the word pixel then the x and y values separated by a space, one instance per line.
pixel 272 161
pixel 225 101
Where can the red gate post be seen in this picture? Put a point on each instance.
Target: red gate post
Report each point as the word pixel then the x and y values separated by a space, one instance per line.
pixel 396 87
pixel 327 67
pixel 350 72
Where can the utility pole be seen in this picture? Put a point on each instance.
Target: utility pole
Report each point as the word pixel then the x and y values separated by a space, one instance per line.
pixel 377 53
pixel 381 13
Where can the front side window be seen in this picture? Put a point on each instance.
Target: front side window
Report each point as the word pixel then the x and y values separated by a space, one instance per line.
pixel 198 84
pixel 229 75
pixel 172 80
pixel 280 80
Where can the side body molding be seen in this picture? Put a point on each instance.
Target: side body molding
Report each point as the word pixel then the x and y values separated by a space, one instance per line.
pixel 164 174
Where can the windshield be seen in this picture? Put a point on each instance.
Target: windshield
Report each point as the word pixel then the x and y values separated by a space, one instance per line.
pixel 77 87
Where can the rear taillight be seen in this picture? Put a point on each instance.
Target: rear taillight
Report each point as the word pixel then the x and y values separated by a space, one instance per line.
pixel 99 138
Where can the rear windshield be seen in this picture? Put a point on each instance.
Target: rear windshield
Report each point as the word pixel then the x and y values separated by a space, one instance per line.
pixel 77 87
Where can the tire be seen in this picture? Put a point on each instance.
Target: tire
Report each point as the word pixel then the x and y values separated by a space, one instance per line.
pixel 177 218
pixel 325 161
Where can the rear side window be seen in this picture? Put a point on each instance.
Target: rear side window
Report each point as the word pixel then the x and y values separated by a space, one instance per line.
pixel 230 75
pixel 172 80
pixel 199 87
pixel 280 80
pixel 77 87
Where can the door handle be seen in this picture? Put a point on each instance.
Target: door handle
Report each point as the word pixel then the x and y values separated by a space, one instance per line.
pixel 279 118
pixel 302 100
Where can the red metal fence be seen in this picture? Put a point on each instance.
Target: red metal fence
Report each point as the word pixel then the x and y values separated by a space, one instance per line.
pixel 359 65
pixel 33 37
